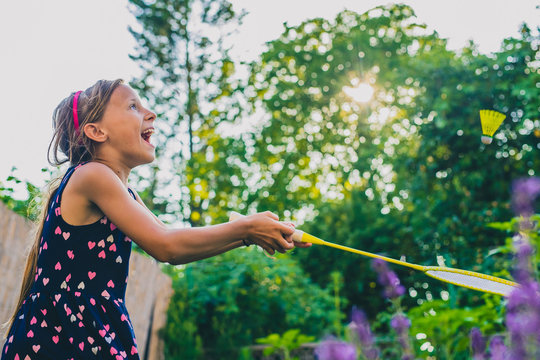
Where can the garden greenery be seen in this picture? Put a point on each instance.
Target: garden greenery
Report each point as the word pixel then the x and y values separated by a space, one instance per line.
pixel 403 174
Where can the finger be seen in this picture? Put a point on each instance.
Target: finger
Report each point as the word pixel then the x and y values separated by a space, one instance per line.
pixel 286 229
pixel 302 244
pixel 270 250
pixel 288 238
pixel 271 215
pixel 269 256
pixel 284 244
pixel 277 247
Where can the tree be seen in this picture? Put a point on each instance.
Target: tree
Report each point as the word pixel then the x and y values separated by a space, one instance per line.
pixel 405 173
pixel 189 80
pixel 318 142
pixel 456 184
pixel 323 150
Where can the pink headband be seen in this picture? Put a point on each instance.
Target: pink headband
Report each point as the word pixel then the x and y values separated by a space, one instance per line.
pixel 75 115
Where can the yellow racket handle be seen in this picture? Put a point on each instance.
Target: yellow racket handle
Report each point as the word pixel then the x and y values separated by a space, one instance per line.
pixel 300 236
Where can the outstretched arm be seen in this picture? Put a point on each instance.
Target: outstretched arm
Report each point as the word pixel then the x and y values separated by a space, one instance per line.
pixel 102 187
pixel 226 248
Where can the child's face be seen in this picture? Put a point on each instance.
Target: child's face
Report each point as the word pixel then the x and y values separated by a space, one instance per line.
pixel 128 126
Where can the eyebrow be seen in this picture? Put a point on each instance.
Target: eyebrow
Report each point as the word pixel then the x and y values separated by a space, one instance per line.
pixel 134 100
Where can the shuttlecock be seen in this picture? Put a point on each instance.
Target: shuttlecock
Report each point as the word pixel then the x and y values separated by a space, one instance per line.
pixel 490 120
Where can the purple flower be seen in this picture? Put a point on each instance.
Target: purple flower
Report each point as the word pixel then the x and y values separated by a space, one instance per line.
pixel 497 349
pixel 478 344
pixel 401 324
pixel 523 268
pixel 333 349
pixel 523 308
pixel 524 191
pixel 362 333
pixel 523 318
pixel 388 279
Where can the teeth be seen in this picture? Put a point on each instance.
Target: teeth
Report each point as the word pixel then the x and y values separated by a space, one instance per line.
pixel 148 132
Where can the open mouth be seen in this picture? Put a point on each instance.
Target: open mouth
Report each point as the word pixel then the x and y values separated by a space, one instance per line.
pixel 147 134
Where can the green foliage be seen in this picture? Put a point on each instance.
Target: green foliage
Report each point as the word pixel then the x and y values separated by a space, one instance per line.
pixel 226 302
pixel 403 174
pixel 283 344
pixel 511 228
pixel 190 82
pixel 446 329
pixel 356 222
pixel 337 282
pixel 28 205
pixel 386 338
pixel 318 143
pixel 180 334
pixel 459 183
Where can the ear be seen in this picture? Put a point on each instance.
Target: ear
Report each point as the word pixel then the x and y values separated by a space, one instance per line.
pixel 95 132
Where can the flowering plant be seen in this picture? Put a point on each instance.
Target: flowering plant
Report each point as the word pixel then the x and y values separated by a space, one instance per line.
pixel 522 337
pixel 362 342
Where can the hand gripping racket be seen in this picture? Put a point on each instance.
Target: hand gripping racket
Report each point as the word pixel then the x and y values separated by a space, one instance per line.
pixel 464 278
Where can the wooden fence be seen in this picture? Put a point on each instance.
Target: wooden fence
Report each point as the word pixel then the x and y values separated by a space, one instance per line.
pixel 147 296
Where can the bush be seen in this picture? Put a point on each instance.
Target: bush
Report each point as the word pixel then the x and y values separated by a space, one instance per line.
pixel 226 302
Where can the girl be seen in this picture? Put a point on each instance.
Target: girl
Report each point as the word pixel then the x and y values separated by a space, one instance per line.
pixel 71 304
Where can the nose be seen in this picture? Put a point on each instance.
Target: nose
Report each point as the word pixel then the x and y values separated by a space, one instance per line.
pixel 150 115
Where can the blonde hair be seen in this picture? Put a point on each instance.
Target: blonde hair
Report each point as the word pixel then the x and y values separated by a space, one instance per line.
pixel 76 148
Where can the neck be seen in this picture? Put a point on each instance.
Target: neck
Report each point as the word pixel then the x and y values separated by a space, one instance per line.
pixel 121 170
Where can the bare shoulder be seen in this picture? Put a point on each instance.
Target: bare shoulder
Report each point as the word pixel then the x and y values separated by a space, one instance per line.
pixel 94 176
pixel 93 171
pixel 79 199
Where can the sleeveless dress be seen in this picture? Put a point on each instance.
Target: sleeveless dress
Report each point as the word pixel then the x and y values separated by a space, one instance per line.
pixel 75 308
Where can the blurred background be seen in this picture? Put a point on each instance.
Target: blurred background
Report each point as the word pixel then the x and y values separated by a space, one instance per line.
pixel 359 122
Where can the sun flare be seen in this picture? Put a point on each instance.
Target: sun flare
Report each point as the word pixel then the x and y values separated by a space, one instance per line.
pixel 361 93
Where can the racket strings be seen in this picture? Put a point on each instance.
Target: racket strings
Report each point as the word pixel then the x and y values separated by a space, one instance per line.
pixel 473 282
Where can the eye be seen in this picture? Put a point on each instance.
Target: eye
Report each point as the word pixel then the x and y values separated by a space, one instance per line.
pixel 133 106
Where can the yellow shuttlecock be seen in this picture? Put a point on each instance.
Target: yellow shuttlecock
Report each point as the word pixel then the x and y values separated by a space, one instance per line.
pixel 491 120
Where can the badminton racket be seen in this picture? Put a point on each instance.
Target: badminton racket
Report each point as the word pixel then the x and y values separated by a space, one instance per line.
pixel 464 278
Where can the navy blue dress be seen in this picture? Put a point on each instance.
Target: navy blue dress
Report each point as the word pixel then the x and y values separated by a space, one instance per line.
pixel 75 308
